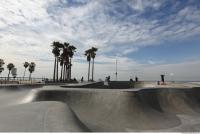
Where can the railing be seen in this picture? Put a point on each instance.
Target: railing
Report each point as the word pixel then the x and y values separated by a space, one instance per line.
pixel 20 80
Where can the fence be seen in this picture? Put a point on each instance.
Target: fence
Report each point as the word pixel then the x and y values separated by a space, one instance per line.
pixel 20 80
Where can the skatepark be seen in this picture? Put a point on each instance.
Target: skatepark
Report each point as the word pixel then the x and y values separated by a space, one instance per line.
pixel 70 108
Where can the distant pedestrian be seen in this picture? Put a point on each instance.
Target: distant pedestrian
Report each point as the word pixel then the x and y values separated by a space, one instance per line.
pixel 131 84
pixel 158 82
pixel 162 78
pixel 136 79
pixel 106 81
pixel 82 79
pixel 108 78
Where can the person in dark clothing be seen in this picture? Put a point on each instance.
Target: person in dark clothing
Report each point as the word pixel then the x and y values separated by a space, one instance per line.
pixel 108 78
pixel 82 79
pixel 162 78
pixel 136 79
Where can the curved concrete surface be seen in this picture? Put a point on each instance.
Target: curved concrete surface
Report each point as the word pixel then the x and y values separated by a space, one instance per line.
pixel 38 117
pixel 53 108
pixel 111 85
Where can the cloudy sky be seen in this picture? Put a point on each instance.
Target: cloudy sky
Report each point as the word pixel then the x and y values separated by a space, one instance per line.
pixel 148 37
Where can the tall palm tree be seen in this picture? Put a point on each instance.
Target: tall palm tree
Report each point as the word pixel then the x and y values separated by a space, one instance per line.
pixel 65 60
pixel 31 69
pixel 61 64
pixel 56 51
pixel 1 65
pixel 71 54
pixel 93 54
pixel 88 55
pixel 10 66
pixel 1 69
pixel 63 53
pixel 26 64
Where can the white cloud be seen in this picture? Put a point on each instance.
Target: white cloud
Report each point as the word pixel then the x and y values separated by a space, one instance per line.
pixel 129 50
pixel 141 5
pixel 151 62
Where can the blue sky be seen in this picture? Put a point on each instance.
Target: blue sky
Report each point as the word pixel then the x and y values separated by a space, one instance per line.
pixel 169 52
pixel 148 37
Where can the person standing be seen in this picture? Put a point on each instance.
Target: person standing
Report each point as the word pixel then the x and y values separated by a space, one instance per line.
pixel 82 79
pixel 136 79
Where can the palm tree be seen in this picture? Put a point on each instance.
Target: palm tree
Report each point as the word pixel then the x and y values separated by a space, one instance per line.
pixel 65 60
pixel 10 66
pixel 88 54
pixel 61 64
pixel 71 54
pixel 26 64
pixel 1 65
pixel 31 69
pixel 93 54
pixel 63 53
pixel 56 51
pixel 1 69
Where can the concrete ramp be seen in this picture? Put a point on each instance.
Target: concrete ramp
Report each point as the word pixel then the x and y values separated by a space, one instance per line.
pixel 85 85
pixel 109 85
pixel 59 109
pixel 111 111
pixel 19 113
pixel 153 109
pixel 39 117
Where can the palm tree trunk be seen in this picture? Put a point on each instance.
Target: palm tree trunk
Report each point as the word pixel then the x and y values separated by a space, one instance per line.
pixel 24 73
pixel 89 71
pixel 61 73
pixel 67 72
pixel 93 69
pixel 30 76
pixel 64 71
pixel 9 75
pixel 57 70
pixel 66 76
pixel 70 72
pixel 70 63
pixel 54 72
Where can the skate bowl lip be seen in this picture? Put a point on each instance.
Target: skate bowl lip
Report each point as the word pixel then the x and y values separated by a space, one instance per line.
pixel 65 89
pixel 127 86
pixel 44 87
pixel 78 86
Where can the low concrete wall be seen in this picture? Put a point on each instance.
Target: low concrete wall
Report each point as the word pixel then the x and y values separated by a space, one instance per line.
pixel 111 85
pixel 58 82
pixel 125 84
pixel 120 84
pixel 21 86
pixel 88 85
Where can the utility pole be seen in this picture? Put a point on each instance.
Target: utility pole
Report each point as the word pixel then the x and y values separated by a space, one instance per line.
pixel 116 70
